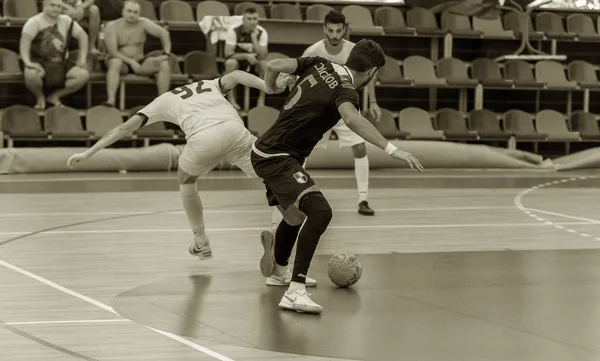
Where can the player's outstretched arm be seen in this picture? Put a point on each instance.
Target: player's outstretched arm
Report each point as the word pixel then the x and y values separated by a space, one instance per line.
pixel 109 138
pixel 274 68
pixel 230 80
pixel 368 132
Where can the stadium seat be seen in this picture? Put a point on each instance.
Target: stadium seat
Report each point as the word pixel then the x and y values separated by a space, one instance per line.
pixel 554 125
pixel 147 10
pixel 178 14
pixel 21 122
pixel 488 73
pixel 421 71
pixel 210 7
pixel 512 21
pixel 391 75
pixel 360 20
pixel 424 22
pixel 317 12
pixel 261 118
pixel 19 11
pixel 586 124
pixel 101 119
pixel 453 124
pixel 240 7
pixel 455 72
pixel 10 70
pixel 520 125
pixel 553 74
pixel 417 123
pixel 64 123
pixel 584 74
pixel 487 125
pixel 552 25
pixel 459 25
pixel 388 128
pixel 492 28
pixel 286 12
pixel 521 73
pixel 582 26
pixel 200 65
pixel 392 21
pixel 176 76
pixel 93 66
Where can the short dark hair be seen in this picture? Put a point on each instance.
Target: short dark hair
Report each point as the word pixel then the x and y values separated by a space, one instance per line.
pixel 250 10
pixel 335 17
pixel 365 55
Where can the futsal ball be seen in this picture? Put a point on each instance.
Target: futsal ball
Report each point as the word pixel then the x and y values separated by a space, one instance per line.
pixel 344 269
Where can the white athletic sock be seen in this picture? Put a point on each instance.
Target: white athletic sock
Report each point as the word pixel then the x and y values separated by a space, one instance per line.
pixel 295 286
pixel 361 171
pixel 276 218
pixel 279 270
pixel 193 209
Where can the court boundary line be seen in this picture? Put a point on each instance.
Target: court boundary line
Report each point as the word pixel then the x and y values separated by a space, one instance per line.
pixel 66 322
pixel 105 307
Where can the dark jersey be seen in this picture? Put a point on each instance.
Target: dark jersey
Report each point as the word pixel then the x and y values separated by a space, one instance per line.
pixel 311 108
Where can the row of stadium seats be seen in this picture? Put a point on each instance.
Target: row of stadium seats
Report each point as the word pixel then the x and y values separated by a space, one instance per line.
pixel 64 123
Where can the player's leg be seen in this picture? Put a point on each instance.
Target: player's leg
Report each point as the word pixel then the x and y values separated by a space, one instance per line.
pixel 347 138
pixel 192 204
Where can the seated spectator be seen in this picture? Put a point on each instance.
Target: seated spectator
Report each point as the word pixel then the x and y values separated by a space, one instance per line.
pixel 43 47
pixel 125 39
pixel 87 14
pixel 246 48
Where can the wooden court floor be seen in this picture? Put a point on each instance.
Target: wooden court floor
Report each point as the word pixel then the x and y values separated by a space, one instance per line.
pixel 70 243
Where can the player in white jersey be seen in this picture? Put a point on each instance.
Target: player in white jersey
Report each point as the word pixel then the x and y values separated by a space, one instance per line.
pixel 213 130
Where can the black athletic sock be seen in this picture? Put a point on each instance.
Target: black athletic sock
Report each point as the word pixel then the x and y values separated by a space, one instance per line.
pixel 285 238
pixel 318 215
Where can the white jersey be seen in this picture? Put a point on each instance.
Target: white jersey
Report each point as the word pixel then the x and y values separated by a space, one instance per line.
pixel 319 49
pixel 193 107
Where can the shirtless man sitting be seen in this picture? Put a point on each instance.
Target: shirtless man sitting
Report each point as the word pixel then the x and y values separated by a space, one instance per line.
pixel 125 39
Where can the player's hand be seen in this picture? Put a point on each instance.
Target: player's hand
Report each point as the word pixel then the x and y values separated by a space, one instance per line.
pixel 76 158
pixel 135 66
pixel 375 112
pixel 252 59
pixel 36 66
pixel 282 82
pixel 408 158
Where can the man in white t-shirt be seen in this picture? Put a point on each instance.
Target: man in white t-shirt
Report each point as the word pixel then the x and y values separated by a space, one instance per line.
pixel 213 130
pixel 246 48
pixel 336 49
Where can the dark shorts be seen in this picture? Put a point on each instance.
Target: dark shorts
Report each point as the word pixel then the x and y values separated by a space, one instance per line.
pixel 284 177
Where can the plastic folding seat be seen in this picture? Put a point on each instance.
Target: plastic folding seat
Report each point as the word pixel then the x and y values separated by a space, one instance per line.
pixel 22 122
pixel 241 7
pixel 417 123
pixel 100 120
pixel 582 26
pixel 492 28
pixel 488 73
pixel 19 11
pixel 586 124
pixel 388 128
pixel 318 12
pixel 423 21
pixel 521 73
pixel 512 21
pixel 554 124
pixel 64 123
pixel 147 10
pixel 459 25
pixel 553 74
pixel 453 124
pixel 392 20
pixel 10 70
pixel 286 12
pixel 455 72
pixel 200 65
pixel 584 74
pixel 178 14
pixel 520 124
pixel 421 71
pixel 487 125
pixel 261 118
pixel 210 7
pixel 391 74
pixel 552 25
pixel 360 20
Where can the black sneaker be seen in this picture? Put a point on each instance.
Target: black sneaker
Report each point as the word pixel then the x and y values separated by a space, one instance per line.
pixel 364 209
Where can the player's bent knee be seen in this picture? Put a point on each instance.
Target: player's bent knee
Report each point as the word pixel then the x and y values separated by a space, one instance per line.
pixel 292 216
pixel 314 205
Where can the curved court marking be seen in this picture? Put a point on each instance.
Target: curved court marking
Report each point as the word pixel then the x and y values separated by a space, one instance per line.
pixel 531 212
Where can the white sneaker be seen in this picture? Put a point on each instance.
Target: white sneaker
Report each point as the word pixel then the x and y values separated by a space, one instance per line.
pixel 201 249
pixel 286 278
pixel 267 262
pixel 299 301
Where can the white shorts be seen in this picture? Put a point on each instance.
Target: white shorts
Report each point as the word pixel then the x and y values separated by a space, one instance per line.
pixel 346 137
pixel 229 141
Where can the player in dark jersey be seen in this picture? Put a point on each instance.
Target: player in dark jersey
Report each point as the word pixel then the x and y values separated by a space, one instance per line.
pixel 324 93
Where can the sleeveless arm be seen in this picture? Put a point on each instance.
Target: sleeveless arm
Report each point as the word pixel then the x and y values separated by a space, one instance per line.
pixel 229 81
pixel 115 134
